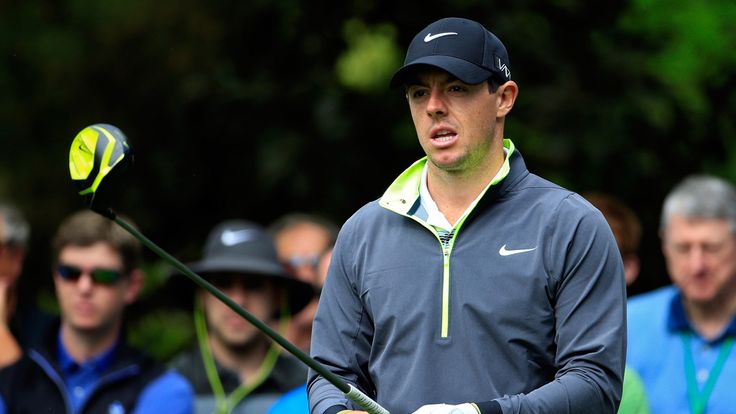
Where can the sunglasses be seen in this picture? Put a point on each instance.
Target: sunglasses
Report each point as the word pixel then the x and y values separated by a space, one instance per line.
pixel 299 261
pixel 99 275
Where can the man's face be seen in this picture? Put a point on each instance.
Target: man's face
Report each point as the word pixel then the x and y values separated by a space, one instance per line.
pixel 254 294
pixel 455 122
pixel 300 248
pixel 89 306
pixel 11 260
pixel 701 258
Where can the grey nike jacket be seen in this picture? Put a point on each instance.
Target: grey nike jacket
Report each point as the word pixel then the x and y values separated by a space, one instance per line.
pixel 525 306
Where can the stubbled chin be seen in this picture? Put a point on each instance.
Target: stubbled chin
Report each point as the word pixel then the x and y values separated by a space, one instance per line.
pixel 445 163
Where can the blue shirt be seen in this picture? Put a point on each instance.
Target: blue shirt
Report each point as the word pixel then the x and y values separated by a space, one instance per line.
pixel 292 402
pixel 80 380
pixel 656 323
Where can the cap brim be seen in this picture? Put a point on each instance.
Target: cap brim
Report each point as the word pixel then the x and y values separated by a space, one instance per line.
pixel 465 71
pixel 300 293
pixel 237 265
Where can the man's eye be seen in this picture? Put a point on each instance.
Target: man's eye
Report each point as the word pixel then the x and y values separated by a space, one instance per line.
pixel 418 93
pixel 456 88
pixel 711 247
pixel 680 248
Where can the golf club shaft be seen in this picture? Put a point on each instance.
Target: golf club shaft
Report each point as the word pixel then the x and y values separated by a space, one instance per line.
pixel 349 390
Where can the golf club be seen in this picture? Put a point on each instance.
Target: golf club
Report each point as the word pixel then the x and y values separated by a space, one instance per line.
pixel 94 152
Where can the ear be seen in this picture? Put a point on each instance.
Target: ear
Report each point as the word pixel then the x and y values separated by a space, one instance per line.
pixel 506 96
pixel 134 286
pixel 631 268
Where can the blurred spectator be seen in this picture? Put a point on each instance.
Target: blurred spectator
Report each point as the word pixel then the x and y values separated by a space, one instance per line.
pixel 234 367
pixel 301 241
pixel 627 230
pixel 681 336
pixel 84 364
pixel 14 232
pixel 295 401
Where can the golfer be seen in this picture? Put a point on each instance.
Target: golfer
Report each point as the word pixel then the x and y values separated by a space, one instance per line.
pixel 471 285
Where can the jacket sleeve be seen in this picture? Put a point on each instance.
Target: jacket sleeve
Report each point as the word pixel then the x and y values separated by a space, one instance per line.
pixel 341 332
pixel 588 296
pixel 169 393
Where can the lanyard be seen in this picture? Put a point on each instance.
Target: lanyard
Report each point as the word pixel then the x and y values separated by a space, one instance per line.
pixel 699 399
pixel 224 404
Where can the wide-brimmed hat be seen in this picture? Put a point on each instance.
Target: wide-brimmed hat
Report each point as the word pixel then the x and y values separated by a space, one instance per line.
pixel 244 248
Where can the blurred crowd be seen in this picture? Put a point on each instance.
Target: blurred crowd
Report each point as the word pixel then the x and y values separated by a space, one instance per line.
pixel 80 357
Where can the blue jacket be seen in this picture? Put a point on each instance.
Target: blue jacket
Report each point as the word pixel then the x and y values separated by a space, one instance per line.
pixel 526 306
pixel 133 383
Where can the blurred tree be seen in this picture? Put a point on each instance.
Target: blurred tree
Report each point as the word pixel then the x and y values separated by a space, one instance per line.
pixel 371 58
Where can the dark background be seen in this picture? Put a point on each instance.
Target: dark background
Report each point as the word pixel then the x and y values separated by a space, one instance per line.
pixel 255 109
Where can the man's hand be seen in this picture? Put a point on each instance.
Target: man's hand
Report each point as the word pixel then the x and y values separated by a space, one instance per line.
pixel 466 408
pixel 351 412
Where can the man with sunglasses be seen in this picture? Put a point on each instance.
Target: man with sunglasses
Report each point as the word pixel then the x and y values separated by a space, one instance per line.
pixel 233 367
pixel 85 365
pixel 301 242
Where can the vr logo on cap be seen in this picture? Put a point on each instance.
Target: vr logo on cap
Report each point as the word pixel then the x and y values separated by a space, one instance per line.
pixel 503 67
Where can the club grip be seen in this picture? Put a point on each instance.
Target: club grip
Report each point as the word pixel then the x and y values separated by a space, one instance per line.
pixel 364 401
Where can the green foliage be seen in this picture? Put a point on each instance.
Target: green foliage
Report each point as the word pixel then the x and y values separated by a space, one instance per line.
pixel 162 333
pixel 692 44
pixel 371 58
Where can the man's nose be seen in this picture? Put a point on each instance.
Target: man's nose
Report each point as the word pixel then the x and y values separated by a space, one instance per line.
pixel 436 104
pixel 697 260
pixel 85 282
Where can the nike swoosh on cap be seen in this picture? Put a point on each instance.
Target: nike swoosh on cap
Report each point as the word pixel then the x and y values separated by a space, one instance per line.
pixel 430 37
pixel 231 237
pixel 506 252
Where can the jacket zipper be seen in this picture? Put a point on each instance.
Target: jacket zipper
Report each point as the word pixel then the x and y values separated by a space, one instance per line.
pixel 444 333
pixel 445 308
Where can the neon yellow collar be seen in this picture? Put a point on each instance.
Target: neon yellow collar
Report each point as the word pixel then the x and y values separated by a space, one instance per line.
pixel 403 192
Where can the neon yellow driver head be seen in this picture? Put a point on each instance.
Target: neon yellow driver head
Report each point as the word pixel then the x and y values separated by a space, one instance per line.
pixel 93 154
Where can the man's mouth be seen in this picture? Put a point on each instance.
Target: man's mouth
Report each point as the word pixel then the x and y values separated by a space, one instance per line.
pixel 444 135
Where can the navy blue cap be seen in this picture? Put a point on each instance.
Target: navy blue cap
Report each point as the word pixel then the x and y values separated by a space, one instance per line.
pixel 462 47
